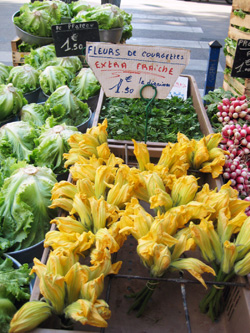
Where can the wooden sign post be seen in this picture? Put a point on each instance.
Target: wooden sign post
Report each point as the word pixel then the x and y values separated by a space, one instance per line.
pixel 123 70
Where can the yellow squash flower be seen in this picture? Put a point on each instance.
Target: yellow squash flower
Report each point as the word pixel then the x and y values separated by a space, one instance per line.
pixel 91 290
pixel 99 213
pixel 85 186
pixel 154 182
pixel 145 251
pixel 208 226
pixel 200 153
pixel 78 243
pixel 229 256
pixel 103 151
pixel 63 189
pixel 101 261
pixel 99 131
pixel 185 243
pixel 86 313
pixel 242 267
pixel 161 260
pixel 52 287
pixel 74 279
pixel 242 241
pixel 141 154
pixel 184 190
pixel 82 171
pixel 202 239
pixel 29 316
pixel 68 224
pixel 81 207
pixel 161 201
pixel 119 194
pixel 104 239
pixel 194 266
pixel 102 308
pixel 158 234
pixel 136 226
pixel 104 175
pixel 213 140
pixel 215 167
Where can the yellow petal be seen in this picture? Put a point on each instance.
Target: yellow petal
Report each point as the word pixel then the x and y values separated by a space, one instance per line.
pixel 74 280
pixel 52 287
pixel 162 259
pixel 184 190
pixel 242 267
pixel 141 154
pixel 85 312
pixel 29 316
pixel 202 239
pixel 194 266
pixel 229 257
pixel 91 290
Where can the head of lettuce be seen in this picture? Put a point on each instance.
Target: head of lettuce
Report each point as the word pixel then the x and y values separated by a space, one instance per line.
pixel 24 207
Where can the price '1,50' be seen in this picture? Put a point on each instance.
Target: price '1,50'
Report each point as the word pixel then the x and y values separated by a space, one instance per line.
pixel 74 46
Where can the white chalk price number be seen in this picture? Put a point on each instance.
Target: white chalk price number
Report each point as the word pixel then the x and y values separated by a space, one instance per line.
pixel 68 47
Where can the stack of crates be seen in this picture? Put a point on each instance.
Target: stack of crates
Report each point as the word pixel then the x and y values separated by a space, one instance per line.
pixel 239 21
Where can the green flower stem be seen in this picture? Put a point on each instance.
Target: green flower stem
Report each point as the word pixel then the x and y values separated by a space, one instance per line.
pixel 142 297
pixel 212 303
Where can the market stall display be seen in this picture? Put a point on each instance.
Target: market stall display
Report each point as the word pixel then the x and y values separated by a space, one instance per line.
pixel 139 231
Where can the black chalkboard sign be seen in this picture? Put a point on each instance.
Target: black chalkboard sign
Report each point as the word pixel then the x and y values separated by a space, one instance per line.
pixel 241 65
pixel 70 38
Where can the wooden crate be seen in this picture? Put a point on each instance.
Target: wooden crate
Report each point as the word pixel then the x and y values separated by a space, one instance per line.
pixel 165 311
pixel 231 83
pixel 17 56
pixel 241 4
pixel 205 125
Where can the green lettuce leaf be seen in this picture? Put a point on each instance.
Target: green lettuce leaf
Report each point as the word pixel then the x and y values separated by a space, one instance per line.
pixel 24 201
pixel 41 55
pixel 4 73
pixel 85 84
pixel 107 15
pixel 34 114
pixel 11 100
pixel 73 63
pixel 14 290
pixel 53 77
pixel 51 145
pixel 9 165
pixel 36 22
pixel 66 108
pixel 17 140
pixel 78 6
pixel 25 78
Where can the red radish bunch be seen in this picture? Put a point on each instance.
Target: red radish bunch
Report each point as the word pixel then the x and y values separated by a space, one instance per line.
pixel 233 109
pixel 236 140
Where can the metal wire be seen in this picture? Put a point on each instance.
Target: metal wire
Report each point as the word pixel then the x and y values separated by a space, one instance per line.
pixel 180 280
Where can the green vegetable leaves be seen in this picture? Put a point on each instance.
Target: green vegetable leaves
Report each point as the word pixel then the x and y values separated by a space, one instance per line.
pixel 24 201
pixel 11 100
pixel 126 119
pixel 85 84
pixel 25 78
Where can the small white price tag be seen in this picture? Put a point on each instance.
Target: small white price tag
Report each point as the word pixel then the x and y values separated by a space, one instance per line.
pixel 123 70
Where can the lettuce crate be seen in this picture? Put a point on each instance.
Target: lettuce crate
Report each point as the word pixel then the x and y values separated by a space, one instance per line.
pixel 17 56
